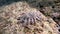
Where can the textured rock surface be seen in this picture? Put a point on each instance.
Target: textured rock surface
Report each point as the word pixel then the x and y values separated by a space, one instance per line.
pixel 13 19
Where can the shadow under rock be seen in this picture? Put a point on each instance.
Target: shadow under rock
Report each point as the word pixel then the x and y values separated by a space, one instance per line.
pixel 40 4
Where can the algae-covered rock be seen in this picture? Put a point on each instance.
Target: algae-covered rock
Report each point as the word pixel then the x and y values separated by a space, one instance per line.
pixel 21 18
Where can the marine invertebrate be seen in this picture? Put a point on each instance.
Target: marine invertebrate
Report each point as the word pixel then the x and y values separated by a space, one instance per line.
pixel 29 17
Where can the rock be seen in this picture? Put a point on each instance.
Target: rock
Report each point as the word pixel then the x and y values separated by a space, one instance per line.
pixel 12 12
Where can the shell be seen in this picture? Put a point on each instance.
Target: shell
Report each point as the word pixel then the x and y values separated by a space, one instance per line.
pixel 29 18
